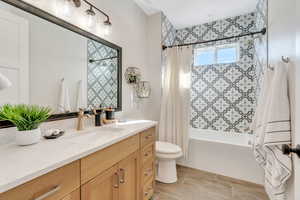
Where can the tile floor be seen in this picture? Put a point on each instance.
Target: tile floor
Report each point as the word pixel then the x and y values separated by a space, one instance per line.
pixel 198 185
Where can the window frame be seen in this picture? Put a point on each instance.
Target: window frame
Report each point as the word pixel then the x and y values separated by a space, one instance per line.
pixel 216 48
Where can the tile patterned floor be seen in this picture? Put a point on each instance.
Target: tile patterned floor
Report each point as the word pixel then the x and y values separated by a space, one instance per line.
pixel 198 185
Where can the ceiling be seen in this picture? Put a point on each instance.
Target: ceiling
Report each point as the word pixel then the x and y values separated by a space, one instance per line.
pixel 185 13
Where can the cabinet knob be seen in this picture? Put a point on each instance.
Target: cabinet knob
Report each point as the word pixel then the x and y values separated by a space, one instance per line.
pixel 116 180
pixel 122 174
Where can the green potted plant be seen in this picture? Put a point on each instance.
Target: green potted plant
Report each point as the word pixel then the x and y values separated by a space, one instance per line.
pixel 27 119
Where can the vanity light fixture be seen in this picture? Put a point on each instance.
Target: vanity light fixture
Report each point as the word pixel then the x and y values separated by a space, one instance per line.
pixel 90 16
pixel 64 7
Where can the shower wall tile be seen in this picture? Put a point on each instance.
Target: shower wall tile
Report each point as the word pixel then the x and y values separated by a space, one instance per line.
pixel 168 31
pixel 223 96
pixel 216 30
pixel 261 44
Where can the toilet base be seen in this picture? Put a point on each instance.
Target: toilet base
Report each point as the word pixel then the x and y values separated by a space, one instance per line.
pixel 166 172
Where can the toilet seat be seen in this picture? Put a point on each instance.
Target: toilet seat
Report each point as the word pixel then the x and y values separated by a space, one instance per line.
pixel 167 148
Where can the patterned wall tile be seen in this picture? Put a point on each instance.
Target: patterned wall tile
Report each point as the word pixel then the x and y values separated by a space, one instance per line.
pixel 217 29
pixel 261 44
pixel 223 96
pixel 102 83
pixel 168 31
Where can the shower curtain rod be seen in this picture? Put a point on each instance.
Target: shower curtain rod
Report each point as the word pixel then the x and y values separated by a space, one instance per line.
pixel 110 58
pixel 263 32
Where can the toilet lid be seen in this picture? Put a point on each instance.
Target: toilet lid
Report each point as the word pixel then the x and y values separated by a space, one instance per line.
pixel 167 148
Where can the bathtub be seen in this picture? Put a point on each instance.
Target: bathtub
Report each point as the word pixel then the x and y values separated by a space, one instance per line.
pixel 227 154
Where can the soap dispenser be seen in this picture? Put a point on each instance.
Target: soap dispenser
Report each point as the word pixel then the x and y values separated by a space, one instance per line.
pixel 98 116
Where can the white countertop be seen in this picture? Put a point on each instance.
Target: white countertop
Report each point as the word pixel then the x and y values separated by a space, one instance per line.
pixel 19 165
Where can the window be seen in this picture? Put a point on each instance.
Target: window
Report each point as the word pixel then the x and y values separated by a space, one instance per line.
pixel 221 54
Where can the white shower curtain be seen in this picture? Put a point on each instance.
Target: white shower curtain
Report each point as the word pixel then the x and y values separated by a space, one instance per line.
pixel 175 108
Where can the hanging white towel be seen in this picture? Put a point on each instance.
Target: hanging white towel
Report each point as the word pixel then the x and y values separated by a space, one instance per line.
pixel 64 99
pixel 272 128
pixel 79 102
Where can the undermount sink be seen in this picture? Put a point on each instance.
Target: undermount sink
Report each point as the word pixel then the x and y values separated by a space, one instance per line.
pixel 112 129
pixel 92 134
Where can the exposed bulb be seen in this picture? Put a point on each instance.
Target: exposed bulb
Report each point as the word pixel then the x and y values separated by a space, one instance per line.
pixel 66 10
pixel 90 17
pixel 107 28
pixel 90 21
pixel 63 7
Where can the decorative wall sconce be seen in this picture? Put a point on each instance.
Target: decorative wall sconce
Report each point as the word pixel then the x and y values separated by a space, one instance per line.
pixel 91 14
pixel 143 89
pixel 133 75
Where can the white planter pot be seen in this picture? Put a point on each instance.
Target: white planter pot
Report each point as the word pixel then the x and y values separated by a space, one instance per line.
pixel 24 138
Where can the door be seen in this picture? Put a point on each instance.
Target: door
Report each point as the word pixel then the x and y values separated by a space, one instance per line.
pixel 14 58
pixel 103 187
pixel 297 128
pixel 129 178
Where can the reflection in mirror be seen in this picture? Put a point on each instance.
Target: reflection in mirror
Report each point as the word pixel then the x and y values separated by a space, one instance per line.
pixel 49 65
pixel 102 75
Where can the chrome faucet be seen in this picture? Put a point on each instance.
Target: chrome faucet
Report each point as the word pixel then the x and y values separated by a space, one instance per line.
pixel 81 117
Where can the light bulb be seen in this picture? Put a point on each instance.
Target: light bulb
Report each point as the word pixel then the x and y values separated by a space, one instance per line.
pixel 107 28
pixel 63 7
pixel 90 17
pixel 66 8
pixel 90 21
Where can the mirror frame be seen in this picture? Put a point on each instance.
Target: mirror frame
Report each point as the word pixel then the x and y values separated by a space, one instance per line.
pixel 64 24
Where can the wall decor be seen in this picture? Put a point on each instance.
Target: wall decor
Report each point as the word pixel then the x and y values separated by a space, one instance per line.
pixel 143 89
pixel 133 75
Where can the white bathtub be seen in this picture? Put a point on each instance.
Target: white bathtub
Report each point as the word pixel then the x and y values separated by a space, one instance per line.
pixel 228 154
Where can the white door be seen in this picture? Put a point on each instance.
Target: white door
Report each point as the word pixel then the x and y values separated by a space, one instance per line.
pixel 14 39
pixel 297 132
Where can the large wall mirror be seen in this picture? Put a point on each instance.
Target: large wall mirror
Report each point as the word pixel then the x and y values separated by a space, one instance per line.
pixel 53 63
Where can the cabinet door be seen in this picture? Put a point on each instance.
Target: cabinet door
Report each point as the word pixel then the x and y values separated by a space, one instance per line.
pixel 73 196
pixel 129 178
pixel 103 187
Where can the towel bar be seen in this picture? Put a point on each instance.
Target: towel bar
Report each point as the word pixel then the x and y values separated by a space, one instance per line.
pixel 287 150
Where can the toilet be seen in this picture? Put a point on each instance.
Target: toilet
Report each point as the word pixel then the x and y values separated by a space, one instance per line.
pixel 167 154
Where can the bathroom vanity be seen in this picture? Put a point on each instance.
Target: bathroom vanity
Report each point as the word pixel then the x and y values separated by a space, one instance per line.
pixel 111 162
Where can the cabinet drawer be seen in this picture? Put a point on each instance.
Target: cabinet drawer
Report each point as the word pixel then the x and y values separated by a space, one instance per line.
pixel 148 137
pixel 147 171
pixel 52 186
pixel 148 153
pixel 98 162
pixel 148 190
pixel 73 196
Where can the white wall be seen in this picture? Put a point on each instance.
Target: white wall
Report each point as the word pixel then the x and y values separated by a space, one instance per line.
pixel 154 70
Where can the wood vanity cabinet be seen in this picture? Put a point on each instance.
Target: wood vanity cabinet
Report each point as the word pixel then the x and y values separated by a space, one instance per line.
pixel 122 171
pixel 119 182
